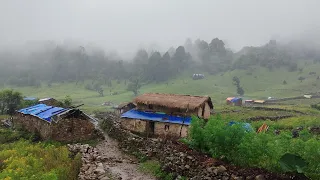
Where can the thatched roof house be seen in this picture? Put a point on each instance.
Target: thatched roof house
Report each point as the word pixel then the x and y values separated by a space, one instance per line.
pixel 175 104
pixel 165 114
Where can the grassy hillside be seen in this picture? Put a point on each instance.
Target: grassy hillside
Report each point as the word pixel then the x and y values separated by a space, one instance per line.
pixel 260 84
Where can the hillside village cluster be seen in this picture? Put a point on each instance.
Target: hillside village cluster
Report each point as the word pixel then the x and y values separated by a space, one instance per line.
pixel 150 115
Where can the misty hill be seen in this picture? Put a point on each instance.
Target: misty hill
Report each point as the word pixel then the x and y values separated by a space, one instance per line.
pixel 91 73
pixel 257 83
pixel 36 65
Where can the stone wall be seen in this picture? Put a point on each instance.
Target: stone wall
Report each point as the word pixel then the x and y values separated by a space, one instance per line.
pixel 134 125
pixel 160 129
pixel 169 129
pixel 206 114
pixel 73 129
pixel 92 167
pixel 33 125
pixel 65 130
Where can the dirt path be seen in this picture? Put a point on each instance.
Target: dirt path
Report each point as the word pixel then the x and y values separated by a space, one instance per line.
pixel 118 164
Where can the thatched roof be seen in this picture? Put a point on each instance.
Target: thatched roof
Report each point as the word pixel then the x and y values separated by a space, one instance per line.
pixel 122 105
pixel 173 100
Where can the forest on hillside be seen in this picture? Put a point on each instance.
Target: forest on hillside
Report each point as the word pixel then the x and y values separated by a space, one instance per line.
pixel 58 63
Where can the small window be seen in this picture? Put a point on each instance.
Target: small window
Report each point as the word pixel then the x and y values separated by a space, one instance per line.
pixel 166 127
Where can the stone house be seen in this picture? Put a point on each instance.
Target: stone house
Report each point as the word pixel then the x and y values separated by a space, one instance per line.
pixel 56 123
pixel 165 114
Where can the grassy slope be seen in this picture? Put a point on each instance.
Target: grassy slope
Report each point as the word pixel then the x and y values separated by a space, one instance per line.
pixel 218 87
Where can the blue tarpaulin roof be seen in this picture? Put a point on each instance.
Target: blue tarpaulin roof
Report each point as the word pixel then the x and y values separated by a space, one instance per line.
pixel 246 126
pixel 42 111
pixel 29 98
pixel 134 114
pixel 236 99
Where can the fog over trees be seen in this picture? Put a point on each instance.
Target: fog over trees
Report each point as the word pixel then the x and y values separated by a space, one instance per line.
pixel 142 41
pixel 58 63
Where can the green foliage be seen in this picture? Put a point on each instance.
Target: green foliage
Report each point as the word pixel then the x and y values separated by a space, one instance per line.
pixel 9 101
pixel 292 163
pixel 67 101
pixel 28 103
pixel 249 149
pixel 134 85
pixel 8 136
pixel 23 160
pixel 24 79
pixel 236 82
pixel 154 168
pixel 140 156
pixel 316 106
pixel 301 78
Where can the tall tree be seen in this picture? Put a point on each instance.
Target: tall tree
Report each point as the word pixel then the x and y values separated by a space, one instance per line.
pixel 180 59
pixel 9 101
pixel 134 85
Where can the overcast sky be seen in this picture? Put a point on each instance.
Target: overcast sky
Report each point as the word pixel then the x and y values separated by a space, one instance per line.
pixel 126 25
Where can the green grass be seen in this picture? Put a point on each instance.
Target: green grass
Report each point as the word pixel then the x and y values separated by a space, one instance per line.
pixel 3 117
pixel 219 87
pixel 154 168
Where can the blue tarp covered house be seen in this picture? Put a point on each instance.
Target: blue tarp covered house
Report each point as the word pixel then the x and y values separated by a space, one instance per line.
pixel 165 114
pixel 156 117
pixel 56 123
pixel 236 101
pixel 44 112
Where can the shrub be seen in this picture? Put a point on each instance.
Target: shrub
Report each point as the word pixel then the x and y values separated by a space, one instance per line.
pixel 24 160
pixel 263 150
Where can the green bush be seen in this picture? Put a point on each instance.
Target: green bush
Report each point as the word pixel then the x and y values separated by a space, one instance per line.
pixel 249 149
pixel 24 160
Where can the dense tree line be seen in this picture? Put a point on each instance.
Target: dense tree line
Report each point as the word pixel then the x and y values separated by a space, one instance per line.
pixel 61 63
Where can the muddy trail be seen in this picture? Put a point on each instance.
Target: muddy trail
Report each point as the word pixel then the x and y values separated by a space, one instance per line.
pixel 117 164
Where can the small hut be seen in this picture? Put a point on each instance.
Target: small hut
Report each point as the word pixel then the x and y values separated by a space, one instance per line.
pixel 228 100
pixel 259 101
pixel 236 101
pixel 124 107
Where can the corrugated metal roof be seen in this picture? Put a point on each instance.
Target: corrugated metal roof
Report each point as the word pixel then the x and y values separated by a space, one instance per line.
pixel 43 111
pixel 44 99
pixel 134 114
pixel 29 98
